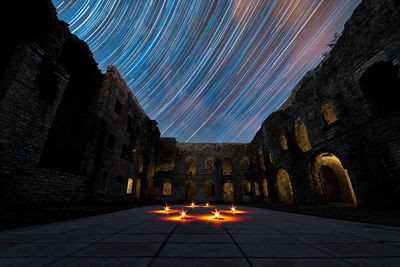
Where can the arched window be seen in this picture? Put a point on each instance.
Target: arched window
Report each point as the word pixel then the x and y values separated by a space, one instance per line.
pixel 228 192
pixel 245 164
pixel 256 189
pixel 227 166
pixel 332 180
pixel 167 189
pixel 265 190
pixel 210 189
pixel 302 136
pixel 329 113
pixel 191 166
pixel 262 163
pixel 129 124
pixel 117 107
pixel 247 189
pixel 129 186
pixel 138 184
pixel 284 187
pixel 271 155
pixel 283 142
pixel 380 84
pixel 191 192
pixel 141 164
pixel 209 164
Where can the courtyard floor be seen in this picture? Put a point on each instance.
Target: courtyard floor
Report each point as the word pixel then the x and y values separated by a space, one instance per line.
pixel 147 236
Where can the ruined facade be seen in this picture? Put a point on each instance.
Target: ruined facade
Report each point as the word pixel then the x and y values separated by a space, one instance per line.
pixel 68 132
pixel 71 133
pixel 205 172
pixel 337 136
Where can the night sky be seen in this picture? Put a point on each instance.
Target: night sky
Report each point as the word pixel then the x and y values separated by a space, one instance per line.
pixel 208 71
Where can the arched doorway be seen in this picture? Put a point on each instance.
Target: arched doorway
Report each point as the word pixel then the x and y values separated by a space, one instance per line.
pixel 246 192
pixel 332 180
pixel 191 192
pixel 210 189
pixel 284 187
pixel 228 192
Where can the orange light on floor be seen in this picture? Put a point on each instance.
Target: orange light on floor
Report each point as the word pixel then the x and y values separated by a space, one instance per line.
pixel 183 214
pixel 192 204
pixel 167 208
pixel 233 209
pixel 217 214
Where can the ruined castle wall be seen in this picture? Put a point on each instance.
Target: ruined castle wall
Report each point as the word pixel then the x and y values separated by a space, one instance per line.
pixel 363 139
pixel 202 165
pixel 56 112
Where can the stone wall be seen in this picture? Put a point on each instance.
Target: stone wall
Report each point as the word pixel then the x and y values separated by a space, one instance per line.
pixel 197 166
pixel 57 112
pixel 356 121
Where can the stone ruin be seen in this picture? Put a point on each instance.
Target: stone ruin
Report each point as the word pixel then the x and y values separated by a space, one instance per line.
pixel 69 133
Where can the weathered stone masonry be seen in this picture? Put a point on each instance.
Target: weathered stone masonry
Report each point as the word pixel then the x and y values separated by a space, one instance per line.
pixel 71 133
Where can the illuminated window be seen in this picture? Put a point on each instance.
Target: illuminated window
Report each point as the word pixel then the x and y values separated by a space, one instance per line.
pixel 284 187
pixel 138 182
pixel 141 163
pixel 247 189
pixel 265 190
pixel 329 113
pixel 227 166
pixel 262 163
pixel 283 142
pixel 302 136
pixel 228 192
pixel 191 167
pixel 256 189
pixel 191 192
pixel 129 186
pixel 271 155
pixel 167 189
pixel 209 164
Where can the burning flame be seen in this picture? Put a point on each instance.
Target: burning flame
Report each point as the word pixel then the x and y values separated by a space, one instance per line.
pixel 192 204
pixel 183 214
pixel 233 209
pixel 207 204
pixel 217 214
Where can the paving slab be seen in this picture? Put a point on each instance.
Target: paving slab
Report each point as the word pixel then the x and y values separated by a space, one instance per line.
pixel 147 237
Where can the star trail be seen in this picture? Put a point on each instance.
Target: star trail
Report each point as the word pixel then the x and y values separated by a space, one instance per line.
pixel 208 71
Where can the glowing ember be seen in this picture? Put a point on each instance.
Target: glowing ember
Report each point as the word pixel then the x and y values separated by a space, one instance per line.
pixel 183 214
pixel 217 214
pixel 233 209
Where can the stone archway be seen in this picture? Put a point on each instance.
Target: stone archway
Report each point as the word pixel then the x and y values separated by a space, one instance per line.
pixel 284 187
pixel 332 180
pixel 191 192
pixel 228 192
pixel 246 192
pixel 210 190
